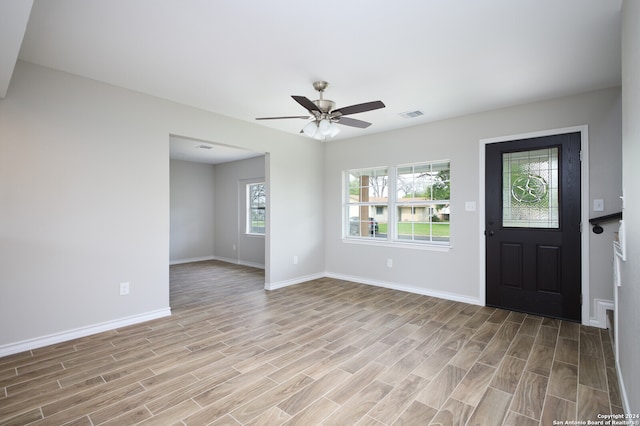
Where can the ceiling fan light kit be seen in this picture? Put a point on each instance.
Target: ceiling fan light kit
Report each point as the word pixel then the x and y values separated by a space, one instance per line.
pixel 321 130
pixel 325 117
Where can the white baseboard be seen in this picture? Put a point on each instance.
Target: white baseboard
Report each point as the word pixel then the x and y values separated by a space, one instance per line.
pixel 601 306
pixel 287 283
pixel 191 259
pixel 221 259
pixel 239 262
pixel 409 289
pixel 52 339
pixel 251 264
pixel 394 286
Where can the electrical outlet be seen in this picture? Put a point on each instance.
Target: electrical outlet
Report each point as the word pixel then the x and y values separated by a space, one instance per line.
pixel 234 247
pixel 295 260
pixel 598 205
pixel 389 263
pixel 124 289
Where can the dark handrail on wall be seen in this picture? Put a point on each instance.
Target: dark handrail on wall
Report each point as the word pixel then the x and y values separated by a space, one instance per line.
pixel 596 221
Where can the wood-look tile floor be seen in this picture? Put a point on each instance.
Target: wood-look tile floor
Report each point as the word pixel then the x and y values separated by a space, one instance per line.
pixel 323 352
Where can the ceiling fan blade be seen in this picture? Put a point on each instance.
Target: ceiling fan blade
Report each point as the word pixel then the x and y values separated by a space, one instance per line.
pixel 278 118
pixel 306 103
pixel 353 122
pixel 354 109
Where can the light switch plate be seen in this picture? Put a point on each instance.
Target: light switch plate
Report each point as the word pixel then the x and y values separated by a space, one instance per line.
pixel 470 206
pixel 598 205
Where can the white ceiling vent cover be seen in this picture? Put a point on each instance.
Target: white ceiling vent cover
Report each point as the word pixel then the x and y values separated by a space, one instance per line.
pixel 411 114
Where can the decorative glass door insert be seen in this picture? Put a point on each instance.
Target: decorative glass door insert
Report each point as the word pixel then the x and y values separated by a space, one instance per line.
pixel 530 196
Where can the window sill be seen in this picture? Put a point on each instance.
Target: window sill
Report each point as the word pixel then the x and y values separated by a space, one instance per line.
pixel 398 244
pixel 254 235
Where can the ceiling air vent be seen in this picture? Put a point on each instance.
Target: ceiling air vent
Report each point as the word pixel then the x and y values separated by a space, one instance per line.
pixel 204 146
pixel 411 114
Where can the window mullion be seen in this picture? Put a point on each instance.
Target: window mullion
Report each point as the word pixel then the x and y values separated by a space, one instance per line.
pixel 392 205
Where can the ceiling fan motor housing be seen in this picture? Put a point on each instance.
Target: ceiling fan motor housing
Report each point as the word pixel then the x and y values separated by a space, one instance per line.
pixel 325 105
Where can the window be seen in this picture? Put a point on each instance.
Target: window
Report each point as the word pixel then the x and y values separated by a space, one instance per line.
pixel 422 202
pixel 367 201
pixel 530 197
pixel 408 203
pixel 256 203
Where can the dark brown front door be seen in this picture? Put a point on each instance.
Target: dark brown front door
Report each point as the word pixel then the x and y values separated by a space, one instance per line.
pixel 532 230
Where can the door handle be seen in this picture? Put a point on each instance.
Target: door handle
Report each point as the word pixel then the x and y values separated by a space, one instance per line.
pixel 489 234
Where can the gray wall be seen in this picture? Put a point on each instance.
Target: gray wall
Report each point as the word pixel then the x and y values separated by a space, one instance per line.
pixel 84 194
pixel 629 292
pixel 191 214
pixel 231 242
pixel 208 212
pixel 456 273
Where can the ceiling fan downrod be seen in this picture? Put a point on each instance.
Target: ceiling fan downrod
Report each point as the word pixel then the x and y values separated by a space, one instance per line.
pixel 325 105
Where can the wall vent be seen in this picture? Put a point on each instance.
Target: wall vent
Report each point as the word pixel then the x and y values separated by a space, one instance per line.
pixel 411 114
pixel 204 146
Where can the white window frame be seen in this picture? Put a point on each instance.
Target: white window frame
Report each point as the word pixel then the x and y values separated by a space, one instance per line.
pixel 248 214
pixel 392 204
pixel 349 203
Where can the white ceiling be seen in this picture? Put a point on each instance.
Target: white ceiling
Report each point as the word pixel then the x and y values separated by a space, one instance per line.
pixel 244 58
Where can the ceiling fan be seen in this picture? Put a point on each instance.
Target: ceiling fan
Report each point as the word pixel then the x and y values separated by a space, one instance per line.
pixel 325 117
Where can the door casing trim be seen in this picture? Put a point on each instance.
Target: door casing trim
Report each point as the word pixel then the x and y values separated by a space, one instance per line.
pixel 584 208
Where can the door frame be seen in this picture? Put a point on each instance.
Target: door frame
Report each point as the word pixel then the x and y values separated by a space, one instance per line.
pixel 584 208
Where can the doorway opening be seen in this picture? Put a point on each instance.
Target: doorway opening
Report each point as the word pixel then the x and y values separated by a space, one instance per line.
pixel 207 210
